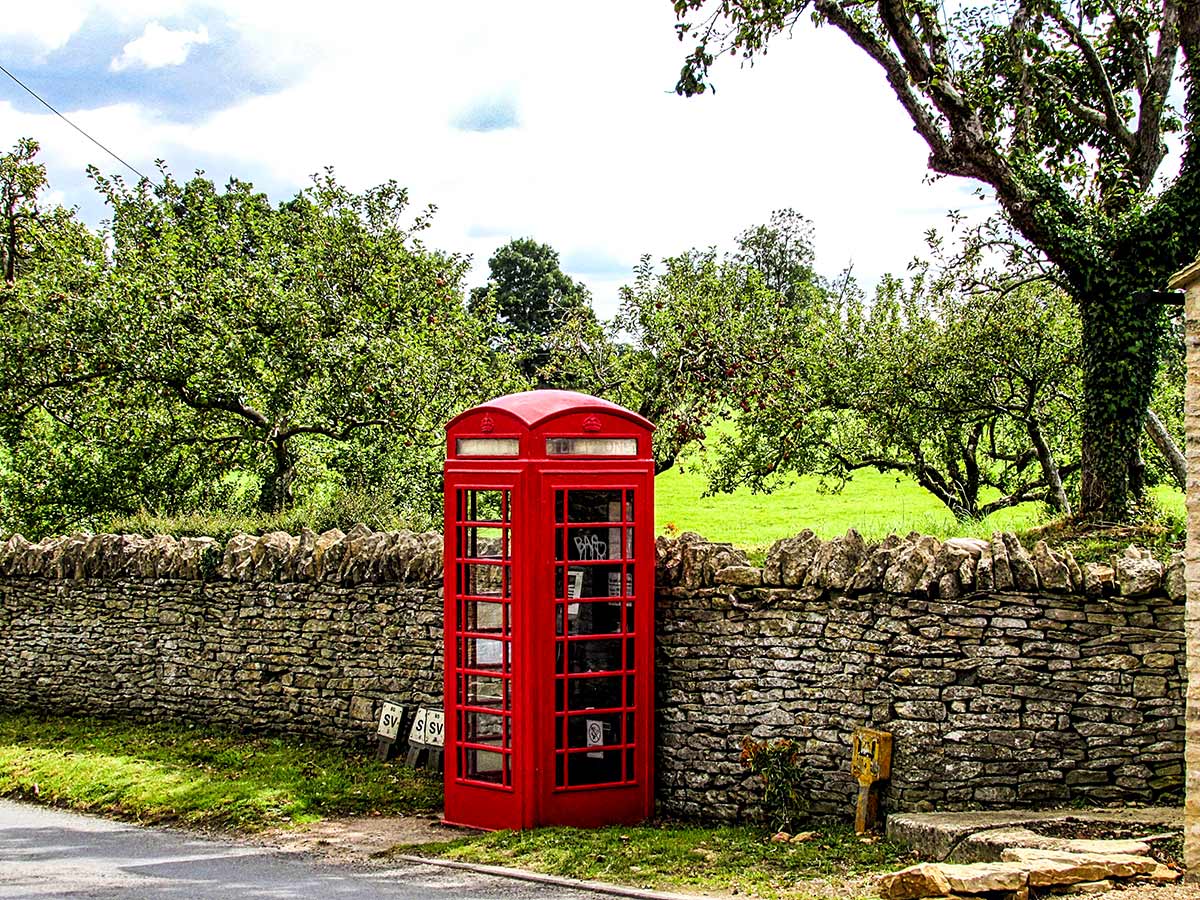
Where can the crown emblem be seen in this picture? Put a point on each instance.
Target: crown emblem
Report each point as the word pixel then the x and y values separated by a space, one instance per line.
pixel 591 423
pixel 486 425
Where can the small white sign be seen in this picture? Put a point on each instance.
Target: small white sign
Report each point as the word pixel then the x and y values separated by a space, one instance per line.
pixel 389 721
pixel 595 736
pixel 416 734
pixel 428 728
pixel 435 727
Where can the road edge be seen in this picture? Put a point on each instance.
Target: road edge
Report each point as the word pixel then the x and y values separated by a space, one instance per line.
pixel 599 887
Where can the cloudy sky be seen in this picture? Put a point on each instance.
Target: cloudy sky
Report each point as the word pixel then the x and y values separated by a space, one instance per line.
pixel 551 119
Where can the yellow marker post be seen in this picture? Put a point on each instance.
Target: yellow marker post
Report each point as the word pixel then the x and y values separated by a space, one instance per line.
pixel 870 763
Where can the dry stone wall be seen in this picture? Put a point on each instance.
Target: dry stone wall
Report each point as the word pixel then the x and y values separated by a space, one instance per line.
pixel 1009 677
pixel 304 635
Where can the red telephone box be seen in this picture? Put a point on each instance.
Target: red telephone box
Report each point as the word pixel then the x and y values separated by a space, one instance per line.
pixel 549 613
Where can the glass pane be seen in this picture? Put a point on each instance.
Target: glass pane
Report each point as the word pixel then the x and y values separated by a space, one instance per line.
pixel 591 446
pixel 479 542
pixel 594 506
pixel 593 693
pixel 591 544
pixel 482 617
pixel 598 767
pixel 481 580
pixel 614 583
pixel 486 446
pixel 590 581
pixel 594 656
pixel 483 765
pixel 483 690
pixel 592 730
pixel 629 656
pixel 485 728
pixel 483 506
pixel 483 653
pixel 629 506
pixel 597 617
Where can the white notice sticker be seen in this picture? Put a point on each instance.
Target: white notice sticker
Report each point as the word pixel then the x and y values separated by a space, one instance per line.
pixel 389 721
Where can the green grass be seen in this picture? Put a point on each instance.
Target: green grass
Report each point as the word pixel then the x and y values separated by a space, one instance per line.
pixel 873 503
pixel 740 859
pixel 197 776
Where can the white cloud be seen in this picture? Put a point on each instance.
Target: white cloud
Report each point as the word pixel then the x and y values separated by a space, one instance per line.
pixel 46 25
pixel 159 47
pixel 606 160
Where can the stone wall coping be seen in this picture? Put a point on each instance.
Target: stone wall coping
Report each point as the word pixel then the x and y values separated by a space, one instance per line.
pixel 357 556
pixel 916 564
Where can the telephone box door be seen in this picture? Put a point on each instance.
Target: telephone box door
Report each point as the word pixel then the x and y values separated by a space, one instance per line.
pixel 595 679
pixel 484 756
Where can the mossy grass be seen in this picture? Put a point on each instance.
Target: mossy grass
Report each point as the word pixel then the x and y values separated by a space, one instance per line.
pixel 200 776
pixel 677 855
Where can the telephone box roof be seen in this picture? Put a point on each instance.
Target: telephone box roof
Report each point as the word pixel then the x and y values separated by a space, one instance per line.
pixel 535 407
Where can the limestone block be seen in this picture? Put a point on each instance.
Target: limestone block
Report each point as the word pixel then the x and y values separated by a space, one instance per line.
pixel 1077 583
pixel 1049 867
pixel 748 576
pixel 788 560
pixel 921 880
pixel 1174 582
pixel 877 560
pixel 1138 576
pixel 836 562
pixel 983 878
pixel 911 563
pixel 1023 574
pixel 985 579
pixel 1098 579
pixel 1051 568
pixel 237 564
pixel 1002 577
pixel 328 551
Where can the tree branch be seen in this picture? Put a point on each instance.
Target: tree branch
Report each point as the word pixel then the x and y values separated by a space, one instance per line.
pixel 1149 149
pixel 1113 123
pixel 232 405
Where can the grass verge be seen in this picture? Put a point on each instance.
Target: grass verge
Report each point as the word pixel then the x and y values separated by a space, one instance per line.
pixel 197 776
pixel 677 856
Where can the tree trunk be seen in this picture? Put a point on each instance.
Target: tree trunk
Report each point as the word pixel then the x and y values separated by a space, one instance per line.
pixel 1161 439
pixel 1120 341
pixel 1055 495
pixel 276 493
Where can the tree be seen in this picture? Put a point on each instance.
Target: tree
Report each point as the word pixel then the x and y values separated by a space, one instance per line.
pixel 972 393
pixel 1060 107
pixel 959 395
pixel 228 335
pixel 678 344
pixel 529 293
pixel 781 252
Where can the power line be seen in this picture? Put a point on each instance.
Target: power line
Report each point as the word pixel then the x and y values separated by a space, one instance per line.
pixel 44 103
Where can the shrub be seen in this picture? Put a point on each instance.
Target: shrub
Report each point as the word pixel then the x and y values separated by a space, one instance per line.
pixel 785 780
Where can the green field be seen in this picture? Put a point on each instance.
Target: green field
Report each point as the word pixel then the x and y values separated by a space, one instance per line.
pixel 875 504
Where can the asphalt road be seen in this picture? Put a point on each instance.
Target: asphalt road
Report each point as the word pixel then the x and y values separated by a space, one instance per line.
pixel 46 853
